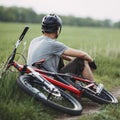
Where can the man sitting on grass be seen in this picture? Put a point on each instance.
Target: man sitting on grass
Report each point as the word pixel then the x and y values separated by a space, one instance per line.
pixel 47 47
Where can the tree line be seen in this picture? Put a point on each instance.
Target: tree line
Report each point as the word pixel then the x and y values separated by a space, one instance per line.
pixel 19 14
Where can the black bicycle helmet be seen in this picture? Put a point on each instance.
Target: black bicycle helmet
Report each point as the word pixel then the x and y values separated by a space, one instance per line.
pixel 51 23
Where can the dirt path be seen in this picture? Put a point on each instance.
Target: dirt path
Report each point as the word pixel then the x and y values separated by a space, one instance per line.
pixel 90 107
pixel 116 92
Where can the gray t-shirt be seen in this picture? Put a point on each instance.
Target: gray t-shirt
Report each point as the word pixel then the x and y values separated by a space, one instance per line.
pixel 46 48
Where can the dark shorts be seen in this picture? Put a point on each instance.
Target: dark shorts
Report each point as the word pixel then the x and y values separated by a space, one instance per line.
pixel 75 66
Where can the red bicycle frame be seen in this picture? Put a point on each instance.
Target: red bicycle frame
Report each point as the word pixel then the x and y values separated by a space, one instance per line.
pixel 69 87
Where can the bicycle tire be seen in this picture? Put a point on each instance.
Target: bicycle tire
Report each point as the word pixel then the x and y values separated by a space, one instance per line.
pixel 105 97
pixel 25 84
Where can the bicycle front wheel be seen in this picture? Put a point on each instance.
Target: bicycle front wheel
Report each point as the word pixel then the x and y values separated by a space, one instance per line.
pixel 65 103
pixel 104 97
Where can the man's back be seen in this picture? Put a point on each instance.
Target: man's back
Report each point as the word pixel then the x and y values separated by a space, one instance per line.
pixel 45 48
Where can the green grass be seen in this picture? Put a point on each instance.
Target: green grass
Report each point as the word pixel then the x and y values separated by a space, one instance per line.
pixel 102 44
pixel 109 112
pixel 16 105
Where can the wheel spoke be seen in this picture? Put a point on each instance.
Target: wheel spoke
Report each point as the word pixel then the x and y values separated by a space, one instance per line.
pixel 58 100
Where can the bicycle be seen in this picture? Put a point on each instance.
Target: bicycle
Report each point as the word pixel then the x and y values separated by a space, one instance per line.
pixel 56 84
pixel 85 88
pixel 42 90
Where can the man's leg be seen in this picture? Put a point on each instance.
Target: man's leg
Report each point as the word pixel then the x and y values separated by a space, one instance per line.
pixel 79 67
pixel 75 66
pixel 87 72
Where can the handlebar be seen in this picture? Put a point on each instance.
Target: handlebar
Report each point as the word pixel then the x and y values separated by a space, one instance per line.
pixel 21 36
pixel 18 42
pixel 12 56
pixel 23 33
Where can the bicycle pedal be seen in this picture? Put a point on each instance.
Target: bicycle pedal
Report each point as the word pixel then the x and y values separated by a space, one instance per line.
pixel 99 88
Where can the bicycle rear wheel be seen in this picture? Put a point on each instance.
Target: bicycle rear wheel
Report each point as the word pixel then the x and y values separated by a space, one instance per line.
pixel 104 97
pixel 65 103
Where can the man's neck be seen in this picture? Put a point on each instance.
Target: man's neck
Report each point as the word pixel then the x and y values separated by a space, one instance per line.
pixel 50 35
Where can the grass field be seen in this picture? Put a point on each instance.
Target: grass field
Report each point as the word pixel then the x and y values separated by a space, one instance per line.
pixel 102 44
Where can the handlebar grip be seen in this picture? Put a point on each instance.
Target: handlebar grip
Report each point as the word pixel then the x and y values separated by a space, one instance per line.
pixel 23 33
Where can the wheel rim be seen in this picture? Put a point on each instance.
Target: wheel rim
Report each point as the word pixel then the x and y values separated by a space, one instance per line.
pixel 65 103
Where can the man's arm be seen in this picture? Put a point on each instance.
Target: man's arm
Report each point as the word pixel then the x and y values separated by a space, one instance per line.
pixel 78 53
pixel 66 58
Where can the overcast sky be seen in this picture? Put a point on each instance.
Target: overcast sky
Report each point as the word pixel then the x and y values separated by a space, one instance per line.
pixel 98 9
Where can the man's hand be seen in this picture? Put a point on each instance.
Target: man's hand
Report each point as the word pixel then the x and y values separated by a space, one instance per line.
pixel 93 65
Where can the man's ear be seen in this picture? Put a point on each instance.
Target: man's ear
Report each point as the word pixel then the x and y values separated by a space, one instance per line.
pixel 58 31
